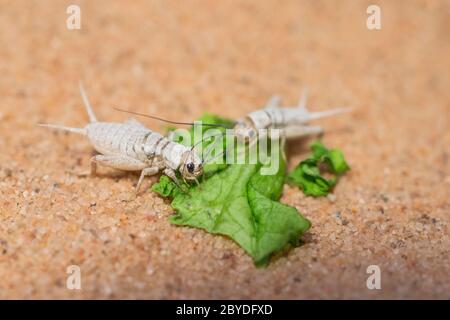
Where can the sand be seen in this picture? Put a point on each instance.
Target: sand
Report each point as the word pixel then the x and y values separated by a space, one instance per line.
pixel 178 59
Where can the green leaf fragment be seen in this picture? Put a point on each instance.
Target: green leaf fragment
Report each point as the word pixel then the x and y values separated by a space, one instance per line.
pixel 166 187
pixel 307 174
pixel 334 158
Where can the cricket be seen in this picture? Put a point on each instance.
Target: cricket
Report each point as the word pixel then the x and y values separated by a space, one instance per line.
pixel 130 146
pixel 293 121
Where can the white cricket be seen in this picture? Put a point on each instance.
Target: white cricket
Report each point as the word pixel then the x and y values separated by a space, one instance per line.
pixel 293 121
pixel 130 146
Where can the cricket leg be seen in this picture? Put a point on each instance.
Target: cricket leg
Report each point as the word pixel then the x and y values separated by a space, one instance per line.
pixel 293 132
pixel 93 166
pixel 279 134
pixel 134 122
pixel 283 146
pixel 171 174
pixel 273 102
pixel 146 172
pixel 86 173
pixel 120 162
pixel 302 100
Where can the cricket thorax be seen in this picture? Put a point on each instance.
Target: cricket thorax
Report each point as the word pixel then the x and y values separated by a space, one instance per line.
pixel 157 148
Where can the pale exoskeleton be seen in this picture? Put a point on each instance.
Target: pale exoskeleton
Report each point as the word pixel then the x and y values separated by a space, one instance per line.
pixel 293 121
pixel 131 146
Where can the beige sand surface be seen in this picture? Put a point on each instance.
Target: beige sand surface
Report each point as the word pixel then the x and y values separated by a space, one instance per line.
pixel 178 59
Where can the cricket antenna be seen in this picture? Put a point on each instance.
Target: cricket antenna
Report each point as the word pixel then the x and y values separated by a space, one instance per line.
pixel 172 122
pixel 204 160
pixel 202 140
pixel 197 143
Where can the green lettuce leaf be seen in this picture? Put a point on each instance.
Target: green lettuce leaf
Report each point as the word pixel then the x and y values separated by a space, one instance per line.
pixel 166 187
pixel 241 203
pixel 308 176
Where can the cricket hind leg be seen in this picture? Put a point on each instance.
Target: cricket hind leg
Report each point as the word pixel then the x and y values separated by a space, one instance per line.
pixel 144 173
pixel 303 98
pixel 124 163
pixel 119 162
pixel 274 102
pixel 283 147
pixel 293 132
pixel 136 123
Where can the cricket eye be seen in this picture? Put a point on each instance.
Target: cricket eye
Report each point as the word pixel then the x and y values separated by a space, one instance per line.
pixel 190 167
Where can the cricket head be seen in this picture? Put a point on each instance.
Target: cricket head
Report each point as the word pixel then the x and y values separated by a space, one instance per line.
pixel 191 165
pixel 244 131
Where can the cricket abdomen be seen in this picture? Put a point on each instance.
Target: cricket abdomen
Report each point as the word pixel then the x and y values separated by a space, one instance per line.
pixel 278 117
pixel 118 138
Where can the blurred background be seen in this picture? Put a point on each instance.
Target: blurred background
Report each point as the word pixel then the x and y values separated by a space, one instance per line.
pixel 178 59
